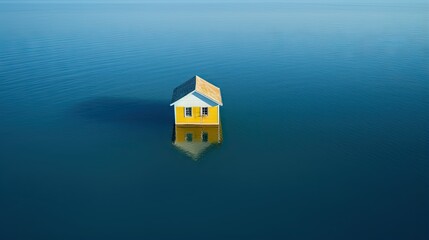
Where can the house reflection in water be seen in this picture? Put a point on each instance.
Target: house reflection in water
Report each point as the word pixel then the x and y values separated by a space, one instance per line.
pixel 194 140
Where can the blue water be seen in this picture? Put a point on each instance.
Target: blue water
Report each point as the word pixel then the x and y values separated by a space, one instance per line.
pixel 325 121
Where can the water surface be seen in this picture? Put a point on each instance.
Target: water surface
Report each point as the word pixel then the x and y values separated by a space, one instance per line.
pixel 325 122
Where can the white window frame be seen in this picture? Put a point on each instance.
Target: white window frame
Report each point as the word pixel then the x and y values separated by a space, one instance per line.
pixel 186 115
pixel 202 114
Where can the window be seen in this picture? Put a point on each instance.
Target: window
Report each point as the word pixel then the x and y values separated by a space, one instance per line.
pixel 188 137
pixel 188 112
pixel 204 111
pixel 205 137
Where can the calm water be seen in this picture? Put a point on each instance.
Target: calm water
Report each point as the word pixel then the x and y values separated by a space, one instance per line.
pixel 325 122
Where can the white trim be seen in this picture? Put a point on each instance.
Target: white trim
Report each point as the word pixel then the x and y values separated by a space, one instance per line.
pixel 195 100
pixel 195 91
pixel 218 114
pixel 175 117
pixel 171 104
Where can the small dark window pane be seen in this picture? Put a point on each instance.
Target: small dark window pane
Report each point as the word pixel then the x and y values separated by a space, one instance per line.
pixel 204 111
pixel 188 112
pixel 189 137
pixel 205 137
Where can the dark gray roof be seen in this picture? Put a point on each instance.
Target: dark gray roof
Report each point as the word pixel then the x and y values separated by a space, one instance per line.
pixel 184 89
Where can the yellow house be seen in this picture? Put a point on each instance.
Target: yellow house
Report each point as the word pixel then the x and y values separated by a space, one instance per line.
pixel 196 102
pixel 194 140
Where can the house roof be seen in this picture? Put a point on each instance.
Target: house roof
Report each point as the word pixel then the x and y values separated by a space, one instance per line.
pixel 200 86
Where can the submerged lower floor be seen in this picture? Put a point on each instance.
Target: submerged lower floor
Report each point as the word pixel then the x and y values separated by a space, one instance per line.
pixel 194 140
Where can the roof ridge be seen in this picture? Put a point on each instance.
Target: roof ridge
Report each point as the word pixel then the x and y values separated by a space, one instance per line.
pixel 199 85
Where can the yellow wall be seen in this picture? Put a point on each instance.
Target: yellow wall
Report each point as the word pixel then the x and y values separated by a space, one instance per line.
pixel 214 134
pixel 196 118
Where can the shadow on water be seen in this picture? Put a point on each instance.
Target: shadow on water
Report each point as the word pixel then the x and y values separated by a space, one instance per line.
pixel 193 141
pixel 126 110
